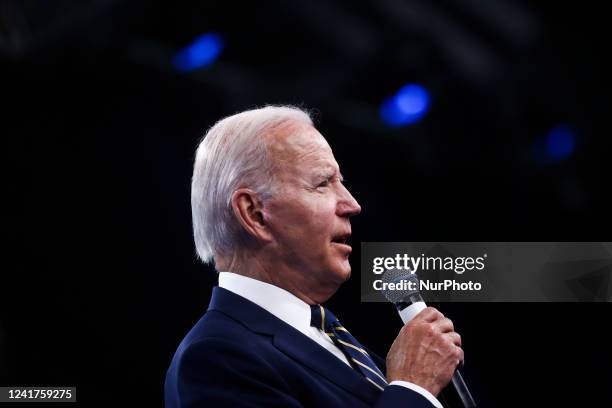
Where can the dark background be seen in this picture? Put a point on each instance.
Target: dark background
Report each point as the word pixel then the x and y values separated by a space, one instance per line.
pixel 100 280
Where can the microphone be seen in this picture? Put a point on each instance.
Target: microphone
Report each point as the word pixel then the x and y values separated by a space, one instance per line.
pixel 409 303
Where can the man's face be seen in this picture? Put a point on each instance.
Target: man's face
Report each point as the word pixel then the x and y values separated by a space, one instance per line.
pixel 309 216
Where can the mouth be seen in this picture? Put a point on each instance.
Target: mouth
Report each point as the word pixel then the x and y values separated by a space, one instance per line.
pixel 342 240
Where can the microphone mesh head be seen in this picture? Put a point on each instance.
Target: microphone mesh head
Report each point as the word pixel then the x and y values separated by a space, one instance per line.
pixel 396 276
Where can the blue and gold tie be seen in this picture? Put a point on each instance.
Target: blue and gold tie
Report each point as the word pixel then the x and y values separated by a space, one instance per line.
pixel 361 361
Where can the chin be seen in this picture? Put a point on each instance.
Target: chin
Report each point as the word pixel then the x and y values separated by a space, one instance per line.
pixel 343 272
pixel 347 274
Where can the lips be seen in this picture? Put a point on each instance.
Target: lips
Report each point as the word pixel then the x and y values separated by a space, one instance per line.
pixel 341 240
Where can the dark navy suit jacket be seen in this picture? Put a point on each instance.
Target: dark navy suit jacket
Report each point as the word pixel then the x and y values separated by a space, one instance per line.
pixel 240 355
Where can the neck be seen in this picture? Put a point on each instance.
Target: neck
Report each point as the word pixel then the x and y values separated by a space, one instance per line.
pixel 289 280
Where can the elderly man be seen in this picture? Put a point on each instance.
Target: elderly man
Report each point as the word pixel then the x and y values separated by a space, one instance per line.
pixel 270 210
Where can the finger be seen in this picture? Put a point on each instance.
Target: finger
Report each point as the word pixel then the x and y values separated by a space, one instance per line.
pixel 455 338
pixel 444 325
pixel 429 314
pixel 460 356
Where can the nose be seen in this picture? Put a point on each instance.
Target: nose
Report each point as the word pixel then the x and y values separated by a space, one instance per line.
pixel 347 205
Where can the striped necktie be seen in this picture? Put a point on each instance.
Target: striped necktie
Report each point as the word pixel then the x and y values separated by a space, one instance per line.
pixel 361 361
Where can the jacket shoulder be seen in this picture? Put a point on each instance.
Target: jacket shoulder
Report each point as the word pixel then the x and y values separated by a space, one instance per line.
pixel 216 324
pixel 219 360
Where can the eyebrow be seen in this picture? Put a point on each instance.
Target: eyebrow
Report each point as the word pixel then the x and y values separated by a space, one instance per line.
pixel 329 174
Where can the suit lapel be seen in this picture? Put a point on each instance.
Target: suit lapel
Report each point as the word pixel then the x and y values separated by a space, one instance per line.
pixel 292 343
pixel 309 353
pixel 380 362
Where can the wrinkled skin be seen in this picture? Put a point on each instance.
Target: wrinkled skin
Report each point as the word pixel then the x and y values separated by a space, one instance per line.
pixel 426 352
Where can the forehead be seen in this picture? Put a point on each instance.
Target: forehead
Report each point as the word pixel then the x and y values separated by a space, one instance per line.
pixel 303 146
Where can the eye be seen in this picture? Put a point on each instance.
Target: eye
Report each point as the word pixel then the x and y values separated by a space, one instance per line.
pixel 324 183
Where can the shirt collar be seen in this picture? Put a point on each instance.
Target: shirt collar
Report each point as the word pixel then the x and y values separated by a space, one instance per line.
pixel 282 304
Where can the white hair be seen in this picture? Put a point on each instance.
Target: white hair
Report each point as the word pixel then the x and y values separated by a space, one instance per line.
pixel 234 153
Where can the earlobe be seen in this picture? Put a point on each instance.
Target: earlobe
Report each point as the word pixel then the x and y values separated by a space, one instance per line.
pixel 248 209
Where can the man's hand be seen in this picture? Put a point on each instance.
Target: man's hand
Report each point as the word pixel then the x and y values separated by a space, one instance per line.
pixel 426 352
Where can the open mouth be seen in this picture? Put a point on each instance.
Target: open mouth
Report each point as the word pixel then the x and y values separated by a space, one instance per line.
pixel 342 239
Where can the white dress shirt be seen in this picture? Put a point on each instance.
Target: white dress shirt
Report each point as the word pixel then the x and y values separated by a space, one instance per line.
pixel 296 313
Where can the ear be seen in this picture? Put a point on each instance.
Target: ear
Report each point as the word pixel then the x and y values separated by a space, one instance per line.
pixel 248 209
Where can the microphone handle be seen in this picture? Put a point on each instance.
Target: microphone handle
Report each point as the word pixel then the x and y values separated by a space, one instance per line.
pixel 407 311
pixel 462 391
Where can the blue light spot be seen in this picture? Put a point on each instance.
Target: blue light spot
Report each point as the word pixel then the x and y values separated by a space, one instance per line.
pixel 406 107
pixel 202 52
pixel 560 143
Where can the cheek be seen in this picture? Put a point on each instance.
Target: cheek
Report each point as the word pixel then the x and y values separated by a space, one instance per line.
pixel 322 219
pixel 307 221
pixel 294 224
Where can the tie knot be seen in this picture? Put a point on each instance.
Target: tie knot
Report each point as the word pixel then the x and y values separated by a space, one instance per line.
pixel 321 318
